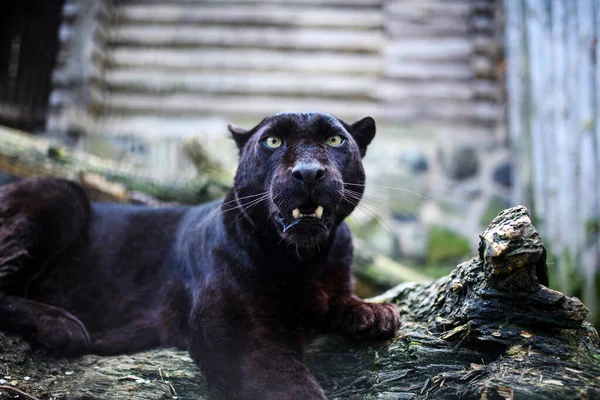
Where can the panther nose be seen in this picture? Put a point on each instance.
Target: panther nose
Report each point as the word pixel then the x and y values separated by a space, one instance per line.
pixel 307 173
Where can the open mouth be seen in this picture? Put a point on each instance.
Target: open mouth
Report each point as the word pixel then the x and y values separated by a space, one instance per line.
pixel 303 216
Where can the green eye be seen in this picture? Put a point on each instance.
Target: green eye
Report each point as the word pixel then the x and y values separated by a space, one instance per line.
pixel 335 141
pixel 273 142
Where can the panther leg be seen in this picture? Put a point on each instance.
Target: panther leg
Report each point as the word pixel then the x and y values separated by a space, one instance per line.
pixel 247 357
pixel 350 316
pixel 138 335
pixel 39 219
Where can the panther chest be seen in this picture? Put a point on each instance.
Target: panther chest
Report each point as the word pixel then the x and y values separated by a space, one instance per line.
pixel 299 309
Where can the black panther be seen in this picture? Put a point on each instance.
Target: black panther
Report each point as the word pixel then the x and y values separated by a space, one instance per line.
pixel 244 283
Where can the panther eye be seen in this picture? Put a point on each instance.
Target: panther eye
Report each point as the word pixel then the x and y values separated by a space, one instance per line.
pixel 335 141
pixel 272 142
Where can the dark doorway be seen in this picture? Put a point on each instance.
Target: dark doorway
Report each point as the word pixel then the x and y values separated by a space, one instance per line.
pixel 28 48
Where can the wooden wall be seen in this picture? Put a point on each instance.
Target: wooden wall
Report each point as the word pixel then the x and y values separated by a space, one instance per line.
pixel 398 60
pixel 440 60
pixel 553 80
pixel 78 79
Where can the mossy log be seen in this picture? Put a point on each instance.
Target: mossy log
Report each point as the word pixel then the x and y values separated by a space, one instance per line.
pixel 490 330
pixel 24 155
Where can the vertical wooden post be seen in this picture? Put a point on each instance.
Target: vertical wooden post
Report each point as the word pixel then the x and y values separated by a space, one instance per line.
pixel 588 176
pixel 553 85
pixel 518 92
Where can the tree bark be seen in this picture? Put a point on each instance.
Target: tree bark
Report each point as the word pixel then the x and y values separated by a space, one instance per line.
pixel 491 329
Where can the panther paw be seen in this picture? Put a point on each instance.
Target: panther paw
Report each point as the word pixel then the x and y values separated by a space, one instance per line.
pixel 370 320
pixel 61 331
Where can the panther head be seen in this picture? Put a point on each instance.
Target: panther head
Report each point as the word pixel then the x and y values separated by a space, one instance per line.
pixel 301 174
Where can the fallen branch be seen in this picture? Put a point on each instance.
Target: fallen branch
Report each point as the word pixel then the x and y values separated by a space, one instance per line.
pixel 17 391
pixel 24 155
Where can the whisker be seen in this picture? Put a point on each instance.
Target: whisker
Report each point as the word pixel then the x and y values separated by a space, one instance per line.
pixel 243 198
pixel 239 206
pixel 365 210
pixel 249 207
pixel 377 218
pixel 366 196
pixel 387 187
pixel 350 214
pixel 233 201
pixel 362 231
pixel 379 203
pixel 355 196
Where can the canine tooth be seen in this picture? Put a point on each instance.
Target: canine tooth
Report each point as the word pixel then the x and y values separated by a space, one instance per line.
pixel 319 212
pixel 296 213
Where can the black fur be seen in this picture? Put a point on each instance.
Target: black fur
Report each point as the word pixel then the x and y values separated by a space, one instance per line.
pixel 241 283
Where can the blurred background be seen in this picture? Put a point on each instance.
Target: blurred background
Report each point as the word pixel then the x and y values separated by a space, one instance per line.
pixel 480 105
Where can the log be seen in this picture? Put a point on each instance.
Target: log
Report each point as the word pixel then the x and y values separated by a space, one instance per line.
pixel 492 329
pixel 176 60
pixel 156 81
pixel 24 156
pixel 272 37
pixel 245 15
pixel 190 104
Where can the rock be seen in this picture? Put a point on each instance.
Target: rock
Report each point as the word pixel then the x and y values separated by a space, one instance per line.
pixel 415 160
pixel 503 174
pixel 468 192
pixel 459 162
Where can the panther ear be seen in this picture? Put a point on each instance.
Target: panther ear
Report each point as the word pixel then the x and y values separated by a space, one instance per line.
pixel 363 132
pixel 240 135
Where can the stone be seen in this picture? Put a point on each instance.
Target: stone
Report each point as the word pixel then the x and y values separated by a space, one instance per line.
pixel 459 162
pixel 471 190
pixel 503 174
pixel 415 160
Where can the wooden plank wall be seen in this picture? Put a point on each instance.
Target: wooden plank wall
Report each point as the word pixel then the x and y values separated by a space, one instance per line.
pixel 77 80
pixel 553 80
pixel 398 60
pixel 440 59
